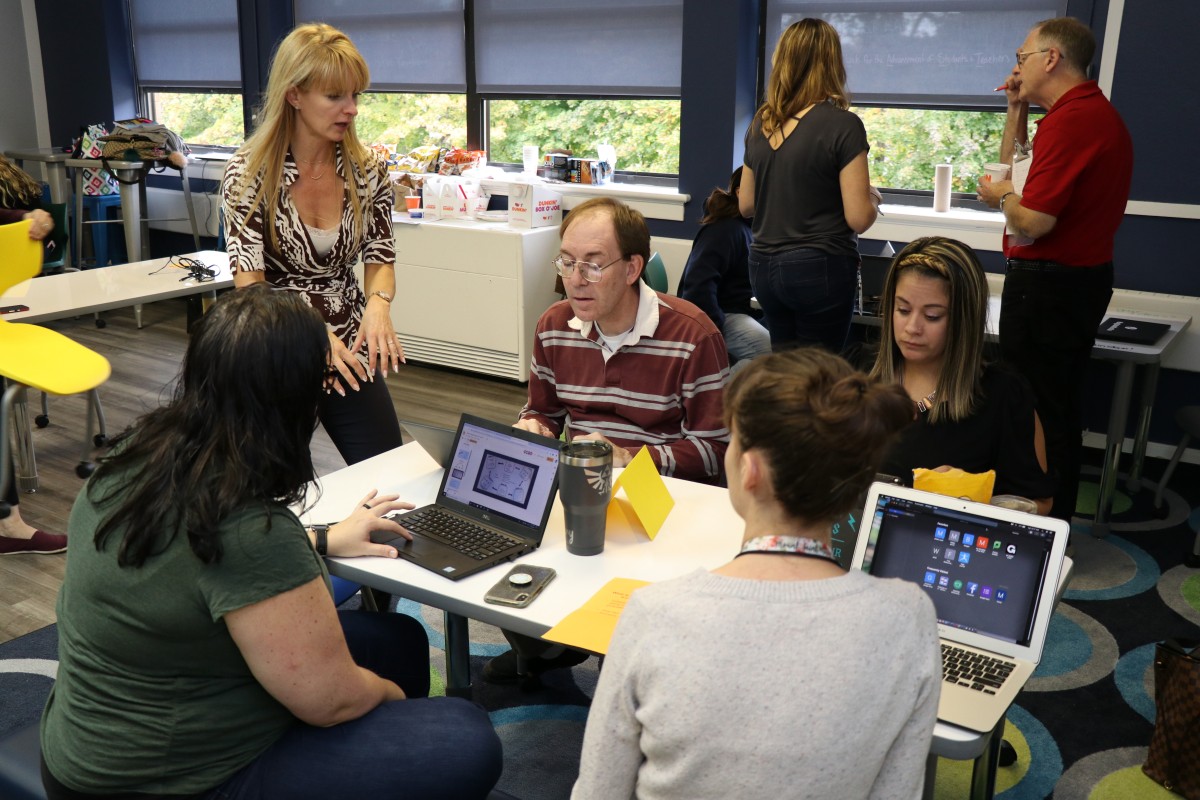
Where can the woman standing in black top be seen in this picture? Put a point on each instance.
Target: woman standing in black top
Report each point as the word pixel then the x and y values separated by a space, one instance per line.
pixel 968 414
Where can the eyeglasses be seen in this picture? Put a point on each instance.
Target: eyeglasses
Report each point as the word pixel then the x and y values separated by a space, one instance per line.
pixel 592 273
pixel 1022 56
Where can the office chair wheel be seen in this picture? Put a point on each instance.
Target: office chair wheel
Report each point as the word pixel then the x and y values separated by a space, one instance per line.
pixel 100 440
pixel 41 420
pixel 1008 754
pixel 101 323
pixel 84 469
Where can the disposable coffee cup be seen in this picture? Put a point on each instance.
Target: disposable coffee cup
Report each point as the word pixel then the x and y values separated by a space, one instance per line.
pixel 1015 502
pixel 529 159
pixel 414 206
pixel 585 487
pixel 994 173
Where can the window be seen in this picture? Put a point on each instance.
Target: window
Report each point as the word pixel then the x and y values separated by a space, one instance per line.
pixel 613 76
pixel 644 133
pixel 187 61
pixel 931 97
pixel 406 121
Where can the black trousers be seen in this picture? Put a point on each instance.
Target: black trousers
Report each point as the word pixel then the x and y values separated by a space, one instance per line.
pixel 362 424
pixel 1048 319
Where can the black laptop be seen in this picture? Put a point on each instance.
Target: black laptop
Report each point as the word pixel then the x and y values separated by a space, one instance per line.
pixel 1131 331
pixel 492 506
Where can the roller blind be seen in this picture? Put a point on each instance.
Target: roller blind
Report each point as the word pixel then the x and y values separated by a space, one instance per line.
pixel 185 44
pixel 579 47
pixel 934 52
pixel 410 46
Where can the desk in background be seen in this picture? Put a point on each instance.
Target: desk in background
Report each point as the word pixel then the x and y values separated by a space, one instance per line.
pixel 701 532
pixel 131 176
pixel 72 294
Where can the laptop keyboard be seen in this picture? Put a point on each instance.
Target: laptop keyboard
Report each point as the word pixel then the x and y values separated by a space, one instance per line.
pixel 974 670
pixel 464 536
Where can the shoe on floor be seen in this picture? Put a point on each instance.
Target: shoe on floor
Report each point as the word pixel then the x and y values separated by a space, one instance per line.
pixel 40 542
pixel 503 668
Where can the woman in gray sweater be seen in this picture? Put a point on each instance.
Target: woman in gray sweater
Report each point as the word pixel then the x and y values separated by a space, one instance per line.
pixel 777 674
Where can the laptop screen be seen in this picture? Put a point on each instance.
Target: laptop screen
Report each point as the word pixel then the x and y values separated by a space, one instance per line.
pixel 501 473
pixel 985 575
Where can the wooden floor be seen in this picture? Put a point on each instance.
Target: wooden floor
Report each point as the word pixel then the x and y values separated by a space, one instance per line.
pixel 144 364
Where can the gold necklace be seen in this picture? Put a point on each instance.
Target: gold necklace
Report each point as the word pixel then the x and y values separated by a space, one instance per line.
pixel 318 163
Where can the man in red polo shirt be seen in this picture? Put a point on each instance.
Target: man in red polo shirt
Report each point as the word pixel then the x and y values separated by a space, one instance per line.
pixel 1060 230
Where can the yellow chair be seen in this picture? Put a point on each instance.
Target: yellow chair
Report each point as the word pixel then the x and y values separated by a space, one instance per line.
pixel 33 356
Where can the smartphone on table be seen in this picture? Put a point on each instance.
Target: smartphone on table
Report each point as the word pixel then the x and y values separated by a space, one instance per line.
pixel 519 588
pixel 13 309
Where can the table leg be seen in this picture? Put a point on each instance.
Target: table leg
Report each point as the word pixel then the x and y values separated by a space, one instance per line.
pixel 131 213
pixel 1117 417
pixel 77 238
pixel 187 201
pixel 458 656
pixel 983 774
pixel 1142 434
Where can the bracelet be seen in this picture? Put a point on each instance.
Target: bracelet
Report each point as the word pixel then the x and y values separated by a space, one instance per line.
pixel 1004 197
pixel 321 530
pixel 387 298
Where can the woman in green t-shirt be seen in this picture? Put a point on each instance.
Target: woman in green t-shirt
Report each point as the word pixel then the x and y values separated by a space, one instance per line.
pixel 200 652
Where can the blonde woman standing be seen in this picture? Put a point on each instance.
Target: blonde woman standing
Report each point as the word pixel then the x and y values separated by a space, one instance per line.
pixel 807 187
pixel 304 201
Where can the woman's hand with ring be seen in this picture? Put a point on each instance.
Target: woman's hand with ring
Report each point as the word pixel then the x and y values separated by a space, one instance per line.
pixel 352 536
pixel 344 363
pixel 377 333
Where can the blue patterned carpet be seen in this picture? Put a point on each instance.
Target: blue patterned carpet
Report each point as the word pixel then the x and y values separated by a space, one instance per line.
pixel 1080 729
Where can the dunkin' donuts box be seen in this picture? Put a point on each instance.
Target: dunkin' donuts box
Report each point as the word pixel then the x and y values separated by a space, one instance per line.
pixel 533 206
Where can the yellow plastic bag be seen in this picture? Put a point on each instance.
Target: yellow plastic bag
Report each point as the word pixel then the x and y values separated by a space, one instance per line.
pixel 954 482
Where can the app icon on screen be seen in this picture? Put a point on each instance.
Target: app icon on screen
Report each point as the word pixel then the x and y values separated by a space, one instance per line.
pixel 930 577
pixel 982 542
pixel 1001 594
pixel 985 592
pixel 968 539
pixel 972 587
pixel 964 557
pixel 939 533
pixel 954 536
pixel 951 553
pixel 1011 549
pixel 995 544
pixel 944 580
pixel 957 585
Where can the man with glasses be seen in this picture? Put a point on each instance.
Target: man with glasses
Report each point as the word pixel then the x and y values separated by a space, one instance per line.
pixel 617 361
pixel 1060 230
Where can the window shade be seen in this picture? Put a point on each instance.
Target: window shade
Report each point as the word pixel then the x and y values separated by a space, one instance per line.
pixel 934 52
pixel 185 44
pixel 579 47
pixel 411 46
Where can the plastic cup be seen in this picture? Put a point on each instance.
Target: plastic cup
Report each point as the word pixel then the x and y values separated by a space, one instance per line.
pixel 585 487
pixel 994 173
pixel 529 159
pixel 1015 503
pixel 414 206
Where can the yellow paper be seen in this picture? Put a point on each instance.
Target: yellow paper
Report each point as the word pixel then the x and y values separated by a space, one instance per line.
pixel 591 626
pixel 956 483
pixel 647 493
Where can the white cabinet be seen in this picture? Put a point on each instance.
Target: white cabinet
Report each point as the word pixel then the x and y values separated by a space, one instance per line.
pixel 469 294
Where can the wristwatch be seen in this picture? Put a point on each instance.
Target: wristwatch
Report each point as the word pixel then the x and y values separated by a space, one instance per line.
pixel 1004 197
pixel 387 298
pixel 321 530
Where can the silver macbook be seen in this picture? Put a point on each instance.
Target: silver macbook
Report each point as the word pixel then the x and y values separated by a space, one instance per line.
pixel 992 574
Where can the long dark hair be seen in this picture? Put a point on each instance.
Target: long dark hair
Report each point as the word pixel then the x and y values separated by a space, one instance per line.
pixel 723 203
pixel 235 434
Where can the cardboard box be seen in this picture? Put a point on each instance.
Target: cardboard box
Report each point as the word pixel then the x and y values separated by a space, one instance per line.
pixel 533 206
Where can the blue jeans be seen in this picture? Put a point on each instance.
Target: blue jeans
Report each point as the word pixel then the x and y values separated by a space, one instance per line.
pixel 745 338
pixel 441 747
pixel 807 296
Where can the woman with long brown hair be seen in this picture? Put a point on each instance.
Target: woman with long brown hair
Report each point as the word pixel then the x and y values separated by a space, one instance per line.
pixel 807 186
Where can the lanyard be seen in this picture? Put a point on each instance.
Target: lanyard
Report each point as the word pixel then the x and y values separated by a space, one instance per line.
pixel 788 546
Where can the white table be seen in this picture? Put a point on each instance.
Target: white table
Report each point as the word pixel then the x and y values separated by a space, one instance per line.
pixel 702 531
pixel 71 294
pixel 1127 357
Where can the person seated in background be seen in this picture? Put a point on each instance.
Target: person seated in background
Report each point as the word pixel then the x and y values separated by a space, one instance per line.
pixel 618 362
pixel 969 414
pixel 717 275
pixel 778 673
pixel 200 653
pixel 17 203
